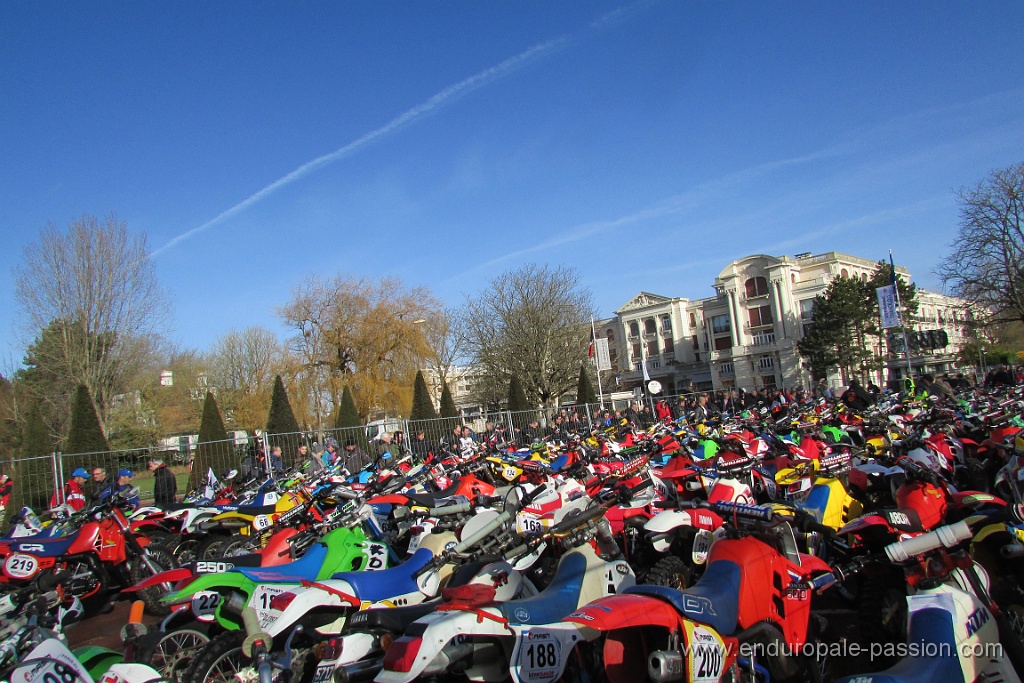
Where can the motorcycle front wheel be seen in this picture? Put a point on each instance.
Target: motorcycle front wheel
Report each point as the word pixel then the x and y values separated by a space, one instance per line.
pixel 159 560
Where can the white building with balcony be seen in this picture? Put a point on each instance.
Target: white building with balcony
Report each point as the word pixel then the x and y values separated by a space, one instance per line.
pixel 747 334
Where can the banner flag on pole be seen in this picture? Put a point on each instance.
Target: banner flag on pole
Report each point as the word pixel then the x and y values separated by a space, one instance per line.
pixel 211 484
pixel 647 377
pixel 887 306
pixel 590 351
pixel 604 358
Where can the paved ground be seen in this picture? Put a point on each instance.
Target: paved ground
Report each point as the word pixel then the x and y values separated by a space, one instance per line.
pixel 103 630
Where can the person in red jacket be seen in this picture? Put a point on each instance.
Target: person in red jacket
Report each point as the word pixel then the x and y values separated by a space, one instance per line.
pixel 74 494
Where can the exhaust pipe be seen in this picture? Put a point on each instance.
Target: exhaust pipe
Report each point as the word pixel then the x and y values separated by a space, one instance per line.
pixel 664 666
pixel 359 672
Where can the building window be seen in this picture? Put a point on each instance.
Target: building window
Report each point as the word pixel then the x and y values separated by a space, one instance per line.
pixel 652 348
pixel 695 342
pixel 756 286
pixel 760 316
pixel 768 381
pixel 720 324
pixel 693 320
pixel 807 309
pixel 666 323
pixel 634 329
pixel 611 336
pixel 723 343
pixel 844 273
pixel 636 350
pixel 725 369
pixel 766 362
pixel 650 327
pixel 670 346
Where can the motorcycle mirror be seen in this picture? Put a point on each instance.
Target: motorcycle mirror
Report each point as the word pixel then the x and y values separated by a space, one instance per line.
pixel 230 474
pixel 133 492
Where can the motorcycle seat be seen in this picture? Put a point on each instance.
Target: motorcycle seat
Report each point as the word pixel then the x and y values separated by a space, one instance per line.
pixel 42 547
pixel 432 500
pixel 561 597
pixel 386 583
pixel 394 619
pixel 303 569
pixel 931 629
pixel 250 509
pixel 714 600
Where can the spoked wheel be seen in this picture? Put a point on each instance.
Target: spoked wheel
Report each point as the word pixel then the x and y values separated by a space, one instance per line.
pixel 237 546
pixel 212 547
pixel 187 550
pixel 174 652
pixel 220 661
pixel 156 560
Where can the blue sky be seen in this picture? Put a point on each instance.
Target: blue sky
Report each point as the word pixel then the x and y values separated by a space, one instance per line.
pixel 646 144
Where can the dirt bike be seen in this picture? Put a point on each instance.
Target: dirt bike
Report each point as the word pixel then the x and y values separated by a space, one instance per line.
pixel 744 602
pixel 326 605
pixel 955 630
pixel 473 633
pixel 101 554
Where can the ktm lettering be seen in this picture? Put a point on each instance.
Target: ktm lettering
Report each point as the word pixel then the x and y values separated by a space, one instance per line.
pixel 977 619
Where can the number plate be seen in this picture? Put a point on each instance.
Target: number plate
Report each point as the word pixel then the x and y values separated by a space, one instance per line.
pixel 204 605
pixel 707 656
pixel 540 657
pixel 261 522
pixel 19 566
pixel 701 546
pixel 530 524
pixel 60 666
pixel 261 598
pixel 324 673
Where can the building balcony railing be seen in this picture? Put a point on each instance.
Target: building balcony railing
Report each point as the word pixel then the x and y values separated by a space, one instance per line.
pixel 767 339
pixel 721 354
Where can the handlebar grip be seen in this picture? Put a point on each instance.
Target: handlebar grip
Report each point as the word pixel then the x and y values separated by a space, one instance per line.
pixel 573 521
pixel 822 582
pixel 456 509
pixel 947 536
pixel 254 634
pixel 530 495
pixel 758 512
pixel 348 494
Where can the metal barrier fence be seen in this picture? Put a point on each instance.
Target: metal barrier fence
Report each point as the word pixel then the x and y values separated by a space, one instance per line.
pixel 37 479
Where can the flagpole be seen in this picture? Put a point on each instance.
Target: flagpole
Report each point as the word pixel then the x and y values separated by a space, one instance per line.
pixel 597 368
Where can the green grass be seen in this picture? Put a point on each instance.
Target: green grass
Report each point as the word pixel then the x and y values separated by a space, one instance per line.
pixel 145 481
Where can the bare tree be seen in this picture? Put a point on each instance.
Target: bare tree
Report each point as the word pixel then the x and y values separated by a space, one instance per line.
pixel 367 335
pixel 533 324
pixel 94 287
pixel 446 339
pixel 242 368
pixel 986 266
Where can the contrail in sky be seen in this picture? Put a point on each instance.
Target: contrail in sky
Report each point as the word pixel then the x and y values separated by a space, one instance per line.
pixel 420 110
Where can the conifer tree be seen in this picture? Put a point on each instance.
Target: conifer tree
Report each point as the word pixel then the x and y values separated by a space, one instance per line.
pixel 282 427
pixel 32 478
pixel 422 406
pixel 213 450
pixel 85 434
pixel 347 415
pixel 517 396
pixel 584 389
pixel 448 408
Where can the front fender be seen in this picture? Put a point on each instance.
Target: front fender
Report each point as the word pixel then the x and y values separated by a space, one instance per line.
pixel 206 582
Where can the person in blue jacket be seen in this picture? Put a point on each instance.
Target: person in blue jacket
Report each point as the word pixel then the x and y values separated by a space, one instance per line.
pixel 123 483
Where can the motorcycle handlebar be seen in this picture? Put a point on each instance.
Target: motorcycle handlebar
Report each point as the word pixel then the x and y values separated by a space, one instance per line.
pixel 948 536
pixel 756 512
pixel 456 509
